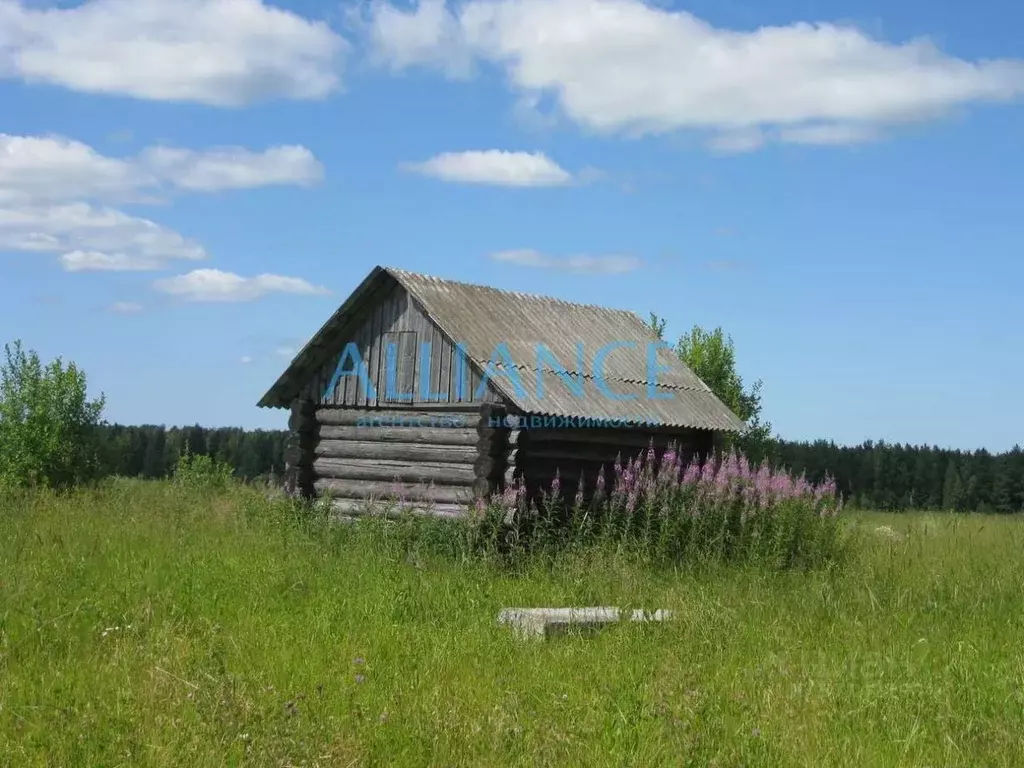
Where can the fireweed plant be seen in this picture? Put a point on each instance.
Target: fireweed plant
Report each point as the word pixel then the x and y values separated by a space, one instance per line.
pixel 722 509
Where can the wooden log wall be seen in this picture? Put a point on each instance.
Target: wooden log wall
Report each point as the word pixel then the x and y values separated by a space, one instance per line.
pixel 299 478
pixel 439 458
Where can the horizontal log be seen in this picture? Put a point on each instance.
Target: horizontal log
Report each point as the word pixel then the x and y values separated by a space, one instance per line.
pixel 355 508
pixel 364 449
pixel 352 417
pixel 386 470
pixel 421 435
pixel 438 438
pixel 370 489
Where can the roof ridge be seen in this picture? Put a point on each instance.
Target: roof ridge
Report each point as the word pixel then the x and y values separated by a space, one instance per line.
pixel 398 273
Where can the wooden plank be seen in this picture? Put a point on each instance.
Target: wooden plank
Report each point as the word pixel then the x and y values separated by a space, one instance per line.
pixel 444 366
pixel 388 312
pixel 401 321
pixel 352 391
pixel 370 489
pixel 422 435
pixel 388 470
pixel 432 337
pixel 408 364
pixel 453 365
pixel 474 378
pixel 365 344
pixel 373 352
pixel 399 353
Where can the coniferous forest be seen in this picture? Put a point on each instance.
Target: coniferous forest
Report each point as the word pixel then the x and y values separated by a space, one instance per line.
pixel 883 476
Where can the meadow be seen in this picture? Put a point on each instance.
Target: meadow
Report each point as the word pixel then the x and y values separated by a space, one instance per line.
pixel 144 623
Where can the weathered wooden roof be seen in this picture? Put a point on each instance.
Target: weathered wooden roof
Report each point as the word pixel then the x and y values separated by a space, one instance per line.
pixel 481 318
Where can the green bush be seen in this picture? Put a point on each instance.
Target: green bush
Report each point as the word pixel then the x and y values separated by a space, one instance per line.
pixel 200 472
pixel 48 426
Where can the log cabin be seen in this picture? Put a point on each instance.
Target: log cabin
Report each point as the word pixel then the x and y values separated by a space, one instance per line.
pixel 439 393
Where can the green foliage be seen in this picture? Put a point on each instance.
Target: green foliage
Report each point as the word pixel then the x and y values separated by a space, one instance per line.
pixel 891 476
pixel 712 356
pixel 203 473
pixel 152 451
pixel 48 426
pixel 657 325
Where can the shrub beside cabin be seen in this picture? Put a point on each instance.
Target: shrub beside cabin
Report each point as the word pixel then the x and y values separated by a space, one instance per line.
pixel 439 392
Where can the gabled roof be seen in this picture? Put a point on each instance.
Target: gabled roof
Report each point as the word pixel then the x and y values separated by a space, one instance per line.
pixel 481 318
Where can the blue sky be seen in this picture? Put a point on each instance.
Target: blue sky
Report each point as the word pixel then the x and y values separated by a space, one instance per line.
pixel 188 188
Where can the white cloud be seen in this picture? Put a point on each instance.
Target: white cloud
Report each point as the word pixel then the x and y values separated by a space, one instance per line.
pixel 580 264
pixel 34 168
pixel 232 167
pixel 54 168
pixel 91 238
pixel 218 52
pixel 126 307
pixel 428 34
pixel 49 186
pixel 495 167
pixel 213 285
pixel 629 67
pixel 97 261
pixel 245 360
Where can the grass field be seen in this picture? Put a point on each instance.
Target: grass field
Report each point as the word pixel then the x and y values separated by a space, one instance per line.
pixel 147 625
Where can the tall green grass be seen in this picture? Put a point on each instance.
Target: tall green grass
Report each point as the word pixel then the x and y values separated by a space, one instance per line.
pixel 177 624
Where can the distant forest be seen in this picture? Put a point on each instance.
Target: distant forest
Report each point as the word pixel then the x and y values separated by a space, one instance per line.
pixel 883 476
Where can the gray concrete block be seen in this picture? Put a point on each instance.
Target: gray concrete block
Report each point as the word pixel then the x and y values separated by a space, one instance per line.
pixel 544 622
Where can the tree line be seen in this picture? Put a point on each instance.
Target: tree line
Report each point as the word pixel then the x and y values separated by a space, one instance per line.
pixel 52 434
pixel 874 475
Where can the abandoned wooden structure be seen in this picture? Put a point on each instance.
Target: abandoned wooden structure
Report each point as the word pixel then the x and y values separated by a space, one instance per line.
pixel 437 393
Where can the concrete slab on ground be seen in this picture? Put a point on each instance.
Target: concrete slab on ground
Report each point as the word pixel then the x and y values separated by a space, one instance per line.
pixel 544 622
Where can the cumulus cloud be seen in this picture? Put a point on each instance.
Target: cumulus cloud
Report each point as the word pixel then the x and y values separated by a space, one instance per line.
pixel 218 52
pixel 623 66
pixel 90 238
pixel 47 168
pixel 213 285
pixel 34 168
pixel 426 34
pixel 494 167
pixel 579 264
pixel 53 192
pixel 232 167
